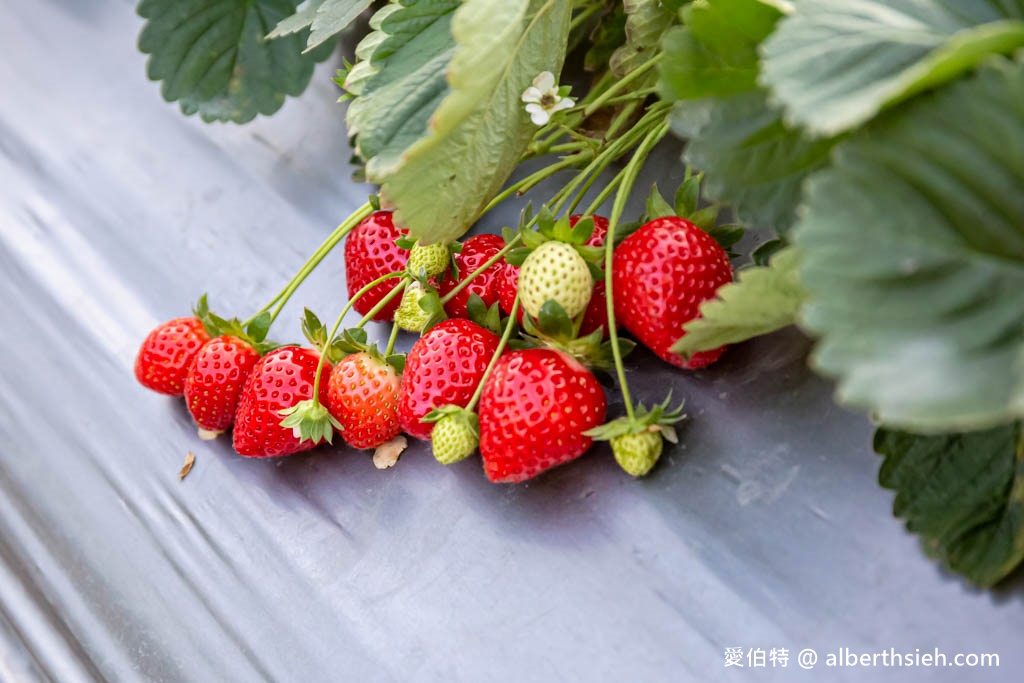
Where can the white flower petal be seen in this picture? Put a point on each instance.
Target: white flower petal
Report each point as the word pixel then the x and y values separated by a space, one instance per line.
pixel 531 94
pixel 538 114
pixel 563 103
pixel 544 81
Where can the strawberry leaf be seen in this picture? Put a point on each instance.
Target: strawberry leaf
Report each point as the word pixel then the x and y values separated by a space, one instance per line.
pixel 963 494
pixel 212 56
pixel 764 299
pixel 913 258
pixel 646 21
pixel 835 64
pixel 324 18
pixel 479 130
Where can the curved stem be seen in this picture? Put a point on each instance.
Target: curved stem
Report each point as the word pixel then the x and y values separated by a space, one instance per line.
pixel 513 243
pixel 391 340
pixel 321 252
pixel 502 343
pixel 620 85
pixel 337 324
pixel 628 180
pixel 395 291
pixel 531 181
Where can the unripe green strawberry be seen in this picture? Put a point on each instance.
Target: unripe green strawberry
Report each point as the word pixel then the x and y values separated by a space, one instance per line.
pixel 454 438
pixel 410 316
pixel 431 258
pixel 637 453
pixel 555 270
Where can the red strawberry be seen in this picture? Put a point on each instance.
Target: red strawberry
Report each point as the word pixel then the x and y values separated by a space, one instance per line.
pixel 363 397
pixel 535 406
pixel 280 380
pixel 508 285
pixel 167 353
pixel 475 252
pixel 662 273
pixel 215 381
pixel 444 367
pixel 596 314
pixel 370 253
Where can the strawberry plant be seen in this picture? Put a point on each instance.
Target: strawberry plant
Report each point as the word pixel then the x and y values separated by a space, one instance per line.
pixel 874 145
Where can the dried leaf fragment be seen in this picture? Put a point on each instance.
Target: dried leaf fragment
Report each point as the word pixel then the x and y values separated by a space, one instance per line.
pixel 190 460
pixel 387 453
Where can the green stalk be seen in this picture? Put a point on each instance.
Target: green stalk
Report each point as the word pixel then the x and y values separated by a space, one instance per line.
pixel 391 340
pixel 509 326
pixel 620 85
pixel 344 311
pixel 628 180
pixel 531 181
pixel 325 248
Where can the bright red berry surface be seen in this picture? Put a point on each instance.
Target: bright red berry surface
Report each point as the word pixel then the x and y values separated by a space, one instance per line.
pixel 443 367
pixel 534 409
pixel 215 381
pixel 167 353
pixel 280 380
pixel 370 253
pixel 476 251
pixel 363 397
pixel 662 273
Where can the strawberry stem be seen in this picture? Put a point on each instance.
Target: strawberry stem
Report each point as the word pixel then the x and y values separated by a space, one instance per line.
pixel 625 188
pixel 391 340
pixel 341 316
pixel 620 85
pixel 506 334
pixel 321 252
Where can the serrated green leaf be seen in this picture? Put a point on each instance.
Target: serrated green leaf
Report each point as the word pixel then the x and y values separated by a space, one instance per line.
pixel 749 157
pixel 479 131
pixel 399 79
pixel 835 64
pixel 913 247
pixel 214 59
pixel 762 300
pixel 963 494
pixel 715 52
pixel 646 22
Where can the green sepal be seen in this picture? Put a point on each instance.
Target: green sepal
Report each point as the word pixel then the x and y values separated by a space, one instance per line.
pixel 532 238
pixel 374 201
pixel 592 255
pixel 727 235
pixel 431 304
pixel 624 230
pixel 314 330
pixel 516 256
pixel 657 207
pixel 406 243
pixel 508 234
pixel 583 230
pixel 216 326
pixel 763 254
pixel 704 218
pixel 687 197
pixel 554 322
pixel 661 418
pixel 397 361
pixel 487 317
pixel 259 326
pixel 310 420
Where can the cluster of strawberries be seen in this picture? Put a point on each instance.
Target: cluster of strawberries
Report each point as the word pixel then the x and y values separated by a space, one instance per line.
pixel 529 401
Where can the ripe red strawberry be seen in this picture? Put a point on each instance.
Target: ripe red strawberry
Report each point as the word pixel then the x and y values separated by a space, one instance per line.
pixel 278 381
pixel 363 397
pixel 596 314
pixel 167 353
pixel 444 367
pixel 535 406
pixel 370 253
pixel 662 273
pixel 215 381
pixel 475 252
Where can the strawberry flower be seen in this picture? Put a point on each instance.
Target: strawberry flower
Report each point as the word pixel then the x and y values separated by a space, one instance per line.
pixel 544 98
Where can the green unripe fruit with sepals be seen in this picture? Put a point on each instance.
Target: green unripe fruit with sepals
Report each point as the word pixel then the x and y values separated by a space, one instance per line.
pixel 410 316
pixel 453 439
pixel 430 259
pixel 637 453
pixel 555 271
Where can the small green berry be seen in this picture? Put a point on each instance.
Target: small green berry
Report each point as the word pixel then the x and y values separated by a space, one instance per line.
pixel 453 439
pixel 637 453
pixel 555 270
pixel 410 316
pixel 431 259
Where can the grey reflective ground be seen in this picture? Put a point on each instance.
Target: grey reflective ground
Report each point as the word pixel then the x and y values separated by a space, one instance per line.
pixel 765 529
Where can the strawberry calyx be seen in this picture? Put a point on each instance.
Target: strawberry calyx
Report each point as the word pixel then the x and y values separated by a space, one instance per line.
pixel 253 331
pixel 554 329
pixel 421 306
pixel 487 317
pixel 637 440
pixel 310 420
pixel 456 433
pixel 345 343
